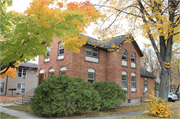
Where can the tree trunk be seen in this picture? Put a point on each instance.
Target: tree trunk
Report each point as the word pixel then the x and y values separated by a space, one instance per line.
pixel 177 90
pixel 164 85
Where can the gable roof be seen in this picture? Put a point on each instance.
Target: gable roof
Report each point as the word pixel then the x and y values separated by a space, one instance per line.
pixel 29 64
pixel 117 41
pixel 145 73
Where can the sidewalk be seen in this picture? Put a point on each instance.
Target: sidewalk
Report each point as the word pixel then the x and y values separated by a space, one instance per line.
pixel 23 115
pixel 19 114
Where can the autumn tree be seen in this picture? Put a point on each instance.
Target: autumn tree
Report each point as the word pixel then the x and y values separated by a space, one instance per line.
pixel 27 34
pixel 175 69
pixel 156 20
pixel 150 61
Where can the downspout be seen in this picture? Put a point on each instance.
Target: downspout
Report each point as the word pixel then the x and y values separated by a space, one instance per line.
pixel 129 79
pixel 106 64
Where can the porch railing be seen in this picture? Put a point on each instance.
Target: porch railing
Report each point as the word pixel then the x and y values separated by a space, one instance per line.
pixel 28 93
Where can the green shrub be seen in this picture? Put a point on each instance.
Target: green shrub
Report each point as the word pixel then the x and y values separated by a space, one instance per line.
pixel 111 94
pixel 62 95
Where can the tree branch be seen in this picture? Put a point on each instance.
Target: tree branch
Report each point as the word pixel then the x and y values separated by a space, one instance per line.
pixel 145 12
pixel 119 10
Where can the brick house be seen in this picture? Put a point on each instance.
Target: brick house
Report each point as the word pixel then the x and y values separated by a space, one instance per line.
pixel 95 64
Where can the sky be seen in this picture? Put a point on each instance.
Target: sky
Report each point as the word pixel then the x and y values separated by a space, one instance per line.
pixel 21 5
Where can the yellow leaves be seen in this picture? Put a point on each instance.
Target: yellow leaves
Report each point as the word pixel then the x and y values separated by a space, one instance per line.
pixel 157 106
pixel 74 42
pixel 146 45
pixel 167 65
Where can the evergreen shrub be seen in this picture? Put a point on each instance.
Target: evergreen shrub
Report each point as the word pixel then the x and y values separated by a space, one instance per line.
pixel 111 94
pixel 63 95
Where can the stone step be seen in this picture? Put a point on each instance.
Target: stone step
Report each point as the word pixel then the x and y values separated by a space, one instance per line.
pixel 26 100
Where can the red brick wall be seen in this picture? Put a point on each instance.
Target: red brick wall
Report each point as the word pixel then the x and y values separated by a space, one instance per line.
pixel 54 62
pixel 81 66
pixel 150 85
pixel 115 68
pixel 108 68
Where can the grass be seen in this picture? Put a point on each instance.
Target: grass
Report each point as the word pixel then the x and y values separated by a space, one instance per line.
pixel 81 113
pixel 6 116
pixel 24 108
pixel 175 114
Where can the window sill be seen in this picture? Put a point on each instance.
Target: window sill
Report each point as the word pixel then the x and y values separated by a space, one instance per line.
pixel 60 57
pixel 92 59
pixel 124 63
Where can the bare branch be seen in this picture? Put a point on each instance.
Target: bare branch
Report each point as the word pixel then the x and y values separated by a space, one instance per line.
pixel 109 17
pixel 113 21
pixel 119 10
pixel 144 11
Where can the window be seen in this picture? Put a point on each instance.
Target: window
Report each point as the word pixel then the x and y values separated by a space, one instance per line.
pixel 2 87
pixel 145 84
pixel 91 73
pixel 41 75
pixel 49 49
pixel 20 87
pixel 48 54
pixel 61 50
pixel 124 79
pixel 63 71
pixel 22 72
pixel 51 71
pixel 124 55
pixel 133 82
pixel 91 51
pixel 133 57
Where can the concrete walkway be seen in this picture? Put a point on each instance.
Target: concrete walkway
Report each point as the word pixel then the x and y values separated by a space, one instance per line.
pixel 23 115
pixel 19 114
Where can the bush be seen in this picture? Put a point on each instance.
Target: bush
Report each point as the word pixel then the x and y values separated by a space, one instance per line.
pixel 157 106
pixel 111 94
pixel 62 95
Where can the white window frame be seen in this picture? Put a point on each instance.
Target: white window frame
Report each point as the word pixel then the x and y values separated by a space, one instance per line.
pixel 51 70
pixel 91 50
pixel 133 88
pixel 146 84
pixel 133 57
pixel 124 55
pixel 20 91
pixel 60 48
pixel 23 76
pixel 124 74
pixel 62 69
pixel 91 71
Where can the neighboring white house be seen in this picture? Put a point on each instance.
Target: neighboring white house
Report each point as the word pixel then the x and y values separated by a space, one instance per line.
pixel 25 80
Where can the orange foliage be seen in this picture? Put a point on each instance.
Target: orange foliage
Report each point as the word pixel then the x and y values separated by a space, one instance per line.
pixel 4 99
pixel 11 72
pixel 83 7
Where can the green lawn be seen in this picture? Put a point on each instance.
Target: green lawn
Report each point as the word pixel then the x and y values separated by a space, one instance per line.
pixel 7 116
pixel 175 115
